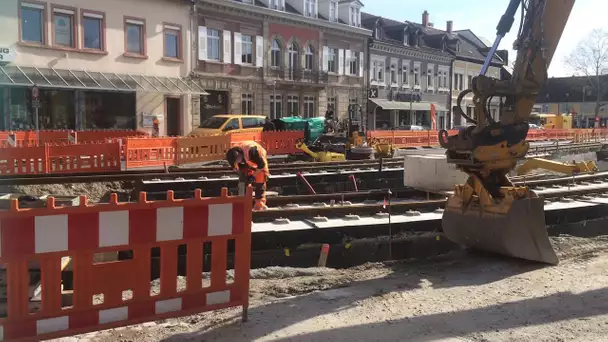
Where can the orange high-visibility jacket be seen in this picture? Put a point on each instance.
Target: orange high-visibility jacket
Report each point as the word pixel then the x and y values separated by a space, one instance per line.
pixel 246 146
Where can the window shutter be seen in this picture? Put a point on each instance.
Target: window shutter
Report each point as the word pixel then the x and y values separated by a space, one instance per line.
pixel 237 48
pixel 227 47
pixel 202 43
pixel 347 56
pixel 259 51
pixel 361 61
pixel 341 61
pixel 325 58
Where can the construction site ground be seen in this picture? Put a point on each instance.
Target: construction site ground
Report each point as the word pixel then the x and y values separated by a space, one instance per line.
pixel 455 297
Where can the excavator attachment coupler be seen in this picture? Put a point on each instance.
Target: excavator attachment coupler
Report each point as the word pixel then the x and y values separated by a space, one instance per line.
pixel 518 231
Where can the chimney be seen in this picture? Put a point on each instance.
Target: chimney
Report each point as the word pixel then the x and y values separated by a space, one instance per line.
pixel 449 26
pixel 425 18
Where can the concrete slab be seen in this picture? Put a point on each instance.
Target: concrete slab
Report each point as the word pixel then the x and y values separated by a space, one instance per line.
pixel 431 172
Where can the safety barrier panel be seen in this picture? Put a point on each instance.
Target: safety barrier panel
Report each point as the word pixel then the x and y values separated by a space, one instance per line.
pixel 23 160
pixel 111 294
pixel 17 139
pixel 201 149
pixel 150 152
pixel 104 157
pixel 29 138
pixel 277 143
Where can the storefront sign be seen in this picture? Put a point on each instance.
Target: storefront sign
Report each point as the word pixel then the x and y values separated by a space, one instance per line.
pixel 405 97
pixel 372 93
pixel 7 54
pixel 147 119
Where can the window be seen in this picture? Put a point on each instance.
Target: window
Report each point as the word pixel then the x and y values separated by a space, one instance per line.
pixel 470 81
pixel 135 36
pixel 333 11
pixel 458 81
pixel 309 106
pixel 332 60
pixel 429 78
pixel 246 49
pixel 355 16
pixel 33 23
pixel 232 125
pixel 252 122
pixel 213 44
pixel 379 71
pixel 309 58
pixel 246 105
pixel 276 107
pixel 331 103
pixel 277 4
pixel 406 38
pixel 63 27
pixel 353 64
pixel 173 37
pixel 93 31
pixel 310 8
pixel 393 73
pixel 292 51
pixel 445 79
pixel 378 33
pixel 416 76
pixel 293 105
pixel 275 54
pixel 405 80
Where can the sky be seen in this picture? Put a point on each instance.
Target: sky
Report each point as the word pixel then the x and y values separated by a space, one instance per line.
pixel 482 16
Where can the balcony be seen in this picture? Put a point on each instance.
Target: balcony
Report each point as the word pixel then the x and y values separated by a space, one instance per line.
pixel 298 75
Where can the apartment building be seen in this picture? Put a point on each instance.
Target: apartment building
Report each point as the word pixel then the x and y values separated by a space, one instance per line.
pixel 408 72
pixel 280 57
pixel 97 64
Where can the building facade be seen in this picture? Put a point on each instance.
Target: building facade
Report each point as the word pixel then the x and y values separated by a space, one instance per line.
pixel 280 57
pixel 408 72
pixel 98 64
pixel 575 96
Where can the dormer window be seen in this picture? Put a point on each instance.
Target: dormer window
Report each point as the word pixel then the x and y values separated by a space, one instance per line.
pixel 378 33
pixel 277 5
pixel 333 11
pixel 310 8
pixel 406 38
pixel 354 16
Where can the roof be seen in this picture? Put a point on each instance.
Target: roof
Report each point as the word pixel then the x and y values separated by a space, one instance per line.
pixel 470 46
pixel 571 89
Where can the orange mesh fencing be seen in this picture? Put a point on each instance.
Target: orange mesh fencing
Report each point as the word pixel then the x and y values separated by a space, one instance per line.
pixel 98 295
pixel 201 149
pixel 150 152
pixel 103 157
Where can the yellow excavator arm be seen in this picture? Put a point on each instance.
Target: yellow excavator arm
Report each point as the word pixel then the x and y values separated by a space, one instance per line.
pixel 489 212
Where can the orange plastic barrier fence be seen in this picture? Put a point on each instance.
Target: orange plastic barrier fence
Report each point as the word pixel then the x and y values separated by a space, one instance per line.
pixel 149 152
pixel 22 138
pixel 23 160
pixel 118 293
pixel 277 142
pixel 201 149
pixel 104 157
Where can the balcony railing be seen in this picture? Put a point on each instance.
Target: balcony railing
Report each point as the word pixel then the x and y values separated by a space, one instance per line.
pixel 299 75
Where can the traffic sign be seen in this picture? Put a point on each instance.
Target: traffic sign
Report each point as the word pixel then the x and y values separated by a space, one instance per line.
pixel 36 104
pixel 35 93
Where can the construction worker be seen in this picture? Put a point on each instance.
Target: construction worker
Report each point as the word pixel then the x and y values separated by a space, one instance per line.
pixel 249 159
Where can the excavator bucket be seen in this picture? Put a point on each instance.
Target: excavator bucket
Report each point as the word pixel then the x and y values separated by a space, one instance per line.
pixel 519 232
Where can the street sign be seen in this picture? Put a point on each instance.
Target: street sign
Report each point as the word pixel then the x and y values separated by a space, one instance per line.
pixel 7 54
pixel 35 93
pixel 36 104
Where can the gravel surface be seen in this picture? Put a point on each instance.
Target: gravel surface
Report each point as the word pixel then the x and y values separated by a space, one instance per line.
pixel 96 192
pixel 456 297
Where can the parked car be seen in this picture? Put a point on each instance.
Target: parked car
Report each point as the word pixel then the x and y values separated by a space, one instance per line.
pixel 229 123
pixel 535 126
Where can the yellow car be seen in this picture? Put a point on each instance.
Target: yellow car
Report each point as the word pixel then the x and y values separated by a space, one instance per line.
pixel 229 123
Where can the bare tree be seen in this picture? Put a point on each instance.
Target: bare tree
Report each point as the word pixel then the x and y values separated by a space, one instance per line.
pixel 590 58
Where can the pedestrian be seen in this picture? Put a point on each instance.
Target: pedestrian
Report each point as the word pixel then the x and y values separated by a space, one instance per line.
pixel 249 159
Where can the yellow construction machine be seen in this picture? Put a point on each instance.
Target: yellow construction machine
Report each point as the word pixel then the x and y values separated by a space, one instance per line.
pixel 489 212
pixel 570 169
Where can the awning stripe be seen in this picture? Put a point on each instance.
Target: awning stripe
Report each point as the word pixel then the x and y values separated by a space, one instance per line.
pixel 93 80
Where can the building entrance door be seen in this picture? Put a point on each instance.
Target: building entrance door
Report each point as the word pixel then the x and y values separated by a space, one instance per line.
pixel 172 109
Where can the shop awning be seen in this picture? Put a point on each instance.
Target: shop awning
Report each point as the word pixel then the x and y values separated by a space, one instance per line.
pixel 91 80
pixel 398 105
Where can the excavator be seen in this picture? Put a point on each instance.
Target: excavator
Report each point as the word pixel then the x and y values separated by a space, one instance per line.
pixel 489 212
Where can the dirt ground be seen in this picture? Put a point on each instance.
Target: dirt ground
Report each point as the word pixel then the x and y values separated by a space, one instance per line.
pixel 96 192
pixel 456 297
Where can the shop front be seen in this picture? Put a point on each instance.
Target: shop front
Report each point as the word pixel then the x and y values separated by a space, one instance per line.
pixel 83 100
pixel 401 110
